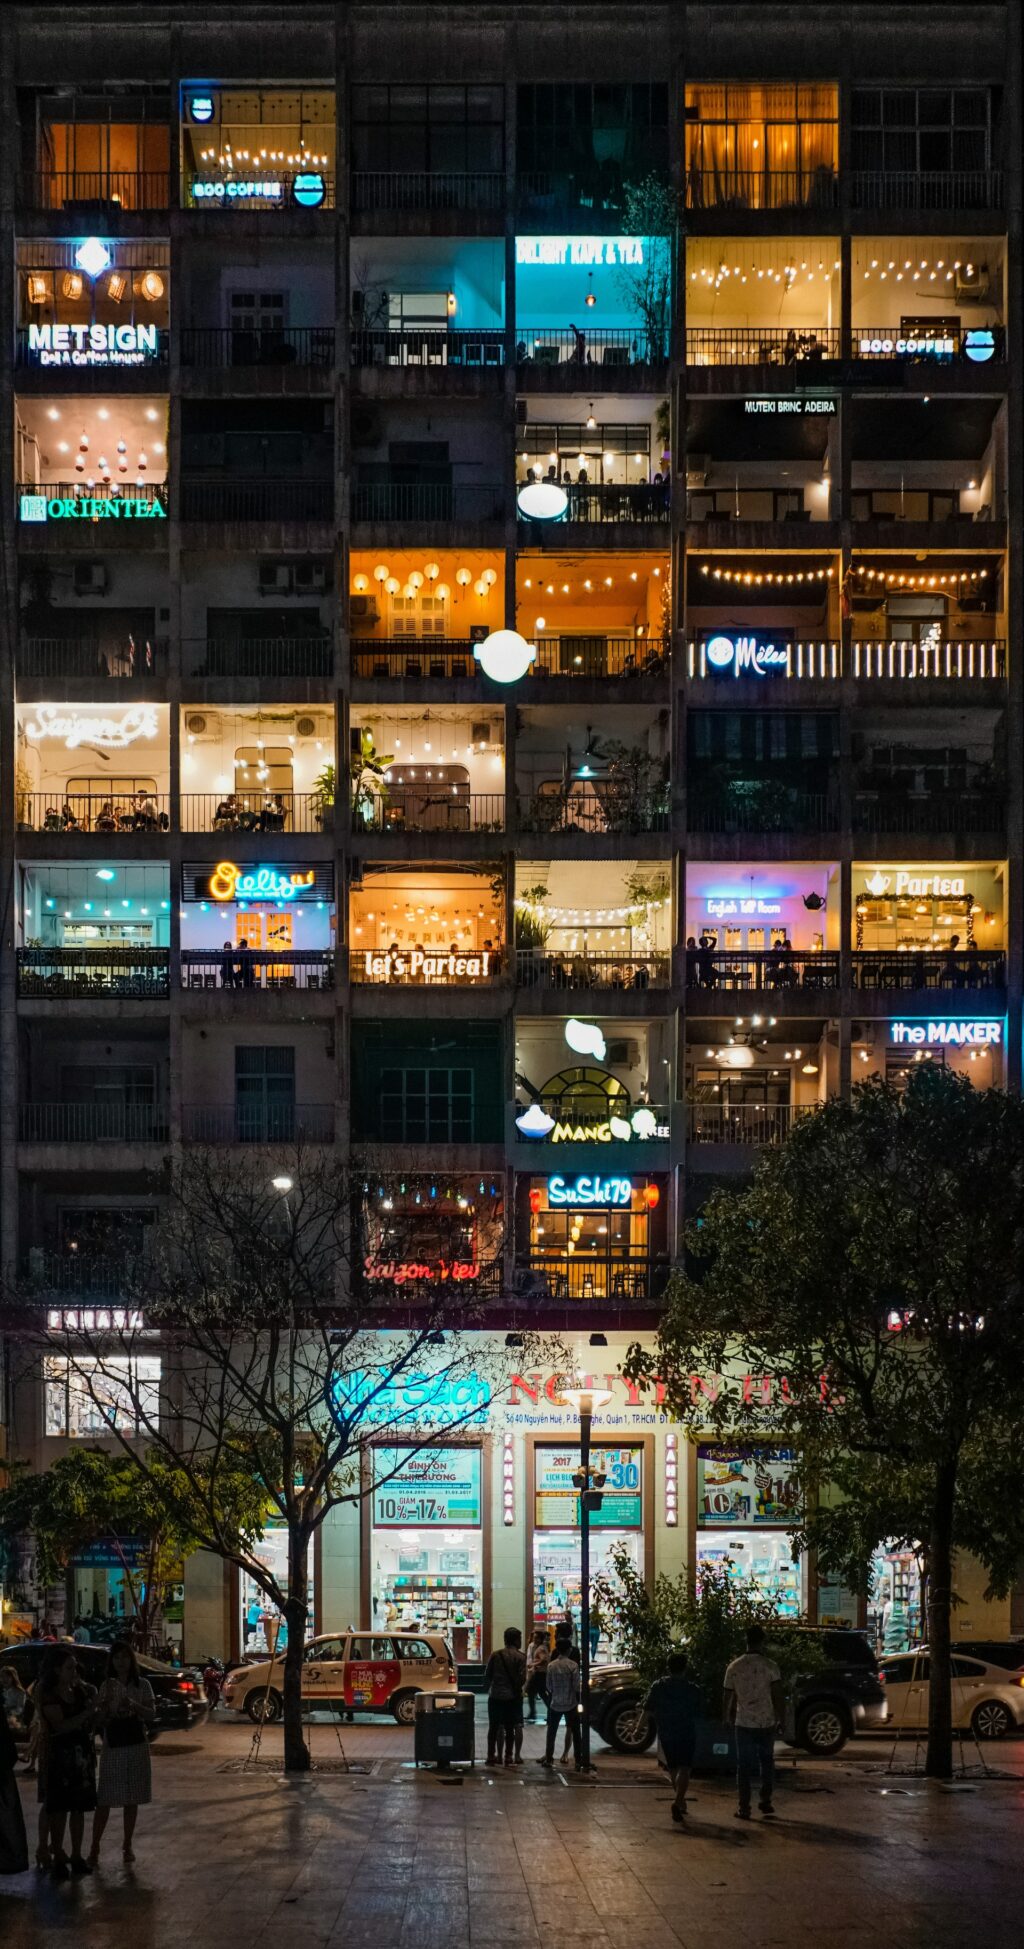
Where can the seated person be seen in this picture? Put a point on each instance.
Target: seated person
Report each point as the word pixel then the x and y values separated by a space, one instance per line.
pixel 67 818
pixel 144 816
pixel 106 820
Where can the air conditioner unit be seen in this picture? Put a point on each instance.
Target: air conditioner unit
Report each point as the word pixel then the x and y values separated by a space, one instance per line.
pixel 625 1054
pixel 202 724
pixel 91 579
pixel 275 578
pixel 698 467
pixel 310 577
pixel 483 733
pixel 972 285
pixel 363 609
pixel 306 727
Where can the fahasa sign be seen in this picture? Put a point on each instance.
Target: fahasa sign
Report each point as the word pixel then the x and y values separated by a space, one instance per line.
pixel 93 345
pixel 947 1035
pixel 416 964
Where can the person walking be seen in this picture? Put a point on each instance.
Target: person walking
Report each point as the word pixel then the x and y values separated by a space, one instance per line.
pixel 754 1704
pixel 596 1628
pixel 13 1844
pixel 124 1707
pixel 674 1703
pixel 538 1656
pixel 563 1703
pixel 505 1677
pixel 67 1780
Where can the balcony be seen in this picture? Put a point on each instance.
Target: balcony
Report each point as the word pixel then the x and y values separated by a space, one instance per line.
pixel 257 500
pixel 600 812
pixel 762 504
pixel 943 812
pixel 93 974
pixel 449 808
pixel 645 504
pixel 239 812
pixel 393 658
pixel 299 657
pixel 761 807
pixel 594 655
pixel 139 663
pixel 753 1124
pixel 761 189
pixel 427 346
pixel 634 1282
pixel 964 661
pixel 93 194
pixel 427 501
pixel 258 1123
pixel 219 348
pixel 939 189
pixel 268 971
pixel 538 968
pixel 920 968
pixel 764 345
pixel 609 350
pixel 139 512
pixel 93 1123
pixel 427 189
pixel 98 817
pixel 785 972
pixel 95 1276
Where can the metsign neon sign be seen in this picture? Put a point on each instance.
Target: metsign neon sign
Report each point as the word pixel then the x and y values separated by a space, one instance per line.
pixel 231 882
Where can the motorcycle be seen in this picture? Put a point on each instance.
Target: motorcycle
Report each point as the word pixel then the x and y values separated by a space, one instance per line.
pixel 213 1681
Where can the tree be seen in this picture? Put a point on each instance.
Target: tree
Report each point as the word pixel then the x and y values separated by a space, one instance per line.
pixel 281 1362
pixel 650 211
pixel 861 1300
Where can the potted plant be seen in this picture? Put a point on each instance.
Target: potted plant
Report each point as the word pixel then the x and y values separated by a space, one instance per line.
pixel 369 769
pixel 531 931
pixel 323 795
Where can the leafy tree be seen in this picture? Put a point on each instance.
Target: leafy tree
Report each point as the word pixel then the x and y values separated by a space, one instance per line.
pixel 650 211
pixel 861 1300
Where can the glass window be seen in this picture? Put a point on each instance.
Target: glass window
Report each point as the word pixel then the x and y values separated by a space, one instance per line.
pixel 264 1094
pixel 440 129
pixel 326 1650
pixel 365 1650
pixel 414 1648
pixel 87 1396
pixel 427 1105
pixel 921 129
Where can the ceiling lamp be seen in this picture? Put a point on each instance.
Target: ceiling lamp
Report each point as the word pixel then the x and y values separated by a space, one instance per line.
pixel 591 298
pixel 480 588
pixel 83 443
pixel 71 284
pixel 142 462
pixel 152 286
pixel 415 578
pixel 737 1056
pixel 463 577
pixel 79 463
pixel 591 422
pixel 432 570
pixel 490 576
pixel 93 256
pixel 380 573
pixel 809 1069
pixel 117 285
pixel 38 289
pixel 408 592
pixel 443 591
pixel 360 584
pixel 393 585
pixel 122 446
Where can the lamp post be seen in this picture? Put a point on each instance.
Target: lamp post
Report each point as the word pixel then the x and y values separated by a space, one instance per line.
pixel 589 1482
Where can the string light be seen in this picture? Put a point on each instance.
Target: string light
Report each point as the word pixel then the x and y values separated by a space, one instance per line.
pixel 778 577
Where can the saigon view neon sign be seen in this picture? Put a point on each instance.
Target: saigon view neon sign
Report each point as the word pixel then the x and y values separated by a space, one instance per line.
pixel 231 882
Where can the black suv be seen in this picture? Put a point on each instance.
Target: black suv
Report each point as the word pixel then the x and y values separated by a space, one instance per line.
pixel 823 1708
pixel 179 1695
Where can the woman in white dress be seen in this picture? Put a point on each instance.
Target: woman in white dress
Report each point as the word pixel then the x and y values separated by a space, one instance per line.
pixel 124 1707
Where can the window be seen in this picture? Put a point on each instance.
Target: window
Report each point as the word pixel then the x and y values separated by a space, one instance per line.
pixel 598 130
pixel 258 311
pixel 109 150
pixel 419 615
pixel 966 1668
pixel 424 1105
pixel 325 1650
pixel 761 147
pixel 264 1095
pixel 368 1650
pixel 86 1397
pixel 441 129
pixel 108 1083
pixel 922 130
pixel 414 1648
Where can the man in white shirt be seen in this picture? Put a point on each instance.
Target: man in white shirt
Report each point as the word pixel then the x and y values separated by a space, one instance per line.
pixel 754 1704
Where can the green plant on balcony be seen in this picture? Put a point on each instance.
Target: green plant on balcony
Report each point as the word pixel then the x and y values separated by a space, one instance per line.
pixel 369 768
pixel 323 794
pixel 634 789
pixel 650 211
pixel 532 929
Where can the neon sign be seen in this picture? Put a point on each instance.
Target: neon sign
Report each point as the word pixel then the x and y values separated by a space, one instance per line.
pixel 585 251
pixel 746 655
pixel 236 189
pixel 84 507
pixel 979 346
pixel 590 1191
pixel 94 1319
pixel 399 1273
pixel 424 1400
pixel 928 347
pixel 231 882
pixel 780 406
pixel 953 1035
pixel 938 886
pixel 733 904
pixel 641 1124
pixel 418 965
pixel 93 345
pixel 114 732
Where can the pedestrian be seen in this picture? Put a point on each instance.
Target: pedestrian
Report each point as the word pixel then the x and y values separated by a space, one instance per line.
pixel 754 1705
pixel 596 1628
pixel 563 1703
pixel 538 1655
pixel 81 1634
pixel 505 1677
pixel 674 1703
pixel 67 1780
pixel 124 1707
pixel 227 966
pixel 15 1700
pixel 13 1844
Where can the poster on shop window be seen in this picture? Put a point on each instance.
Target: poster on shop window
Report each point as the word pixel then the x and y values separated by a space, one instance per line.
pixel 745 1487
pixel 557 1498
pixel 422 1488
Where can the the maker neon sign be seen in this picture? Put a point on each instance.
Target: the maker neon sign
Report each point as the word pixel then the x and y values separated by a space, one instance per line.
pixel 231 882
pixel 953 1035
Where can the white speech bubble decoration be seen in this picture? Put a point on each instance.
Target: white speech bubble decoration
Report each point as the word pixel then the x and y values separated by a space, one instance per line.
pixel 586 1039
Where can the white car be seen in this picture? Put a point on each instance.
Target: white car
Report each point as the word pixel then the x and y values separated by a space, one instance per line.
pixel 355 1671
pixel 988 1700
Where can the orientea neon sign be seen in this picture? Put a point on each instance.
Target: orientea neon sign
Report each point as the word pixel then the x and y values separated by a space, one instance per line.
pixel 75 729
pixel 229 882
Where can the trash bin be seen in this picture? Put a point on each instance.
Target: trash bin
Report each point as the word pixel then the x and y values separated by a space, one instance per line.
pixel 444 1729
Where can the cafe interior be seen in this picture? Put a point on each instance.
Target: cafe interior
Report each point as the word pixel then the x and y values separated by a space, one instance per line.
pixel 428 768
pixel 749 908
pixel 131 288
pixel 594 614
pixel 95 443
pixel 394 910
pixel 93 768
pixel 784 288
pixel 93 904
pixel 624 923
pixel 257 770
pixel 410 595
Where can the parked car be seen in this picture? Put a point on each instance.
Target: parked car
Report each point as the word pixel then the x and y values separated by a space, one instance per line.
pixel 988 1699
pixel 1008 1653
pixel 355 1671
pixel 824 1707
pixel 179 1696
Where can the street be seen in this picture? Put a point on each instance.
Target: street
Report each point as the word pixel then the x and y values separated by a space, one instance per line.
pixel 389 1856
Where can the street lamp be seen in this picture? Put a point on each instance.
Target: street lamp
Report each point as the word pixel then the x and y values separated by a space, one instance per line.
pixel 283 1185
pixel 586 1398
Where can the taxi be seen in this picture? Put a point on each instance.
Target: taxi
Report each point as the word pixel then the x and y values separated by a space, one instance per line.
pixel 353 1671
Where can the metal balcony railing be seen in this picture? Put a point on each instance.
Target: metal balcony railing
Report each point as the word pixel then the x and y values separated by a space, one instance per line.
pixel 773 972
pixel 80 373
pixel 93 1123
pixel 254 812
pixel 427 501
pixel 83 1274
pixel 962 662
pixel 925 189
pixel 257 500
pixel 93 973
pixel 601 812
pixel 817 662
pixel 87 190
pixel 395 657
pixel 763 345
pixel 611 347
pixel 644 502
pixel 943 812
pixel 743 1123
pixel 258 656
pixel 539 968
pixel 271 971
pixel 124 503
pixel 977 345
pixel 753 504
pixel 768 808
pixel 427 189
pixel 218 346
pixel 89 812
pixel 581 1112
pixel 426 808
pixel 428 345
pixel 257 1123
pixel 973 968
pixel 133 659
pixel 762 189
pixel 623 1281
pixel 600 656
pixel 282 191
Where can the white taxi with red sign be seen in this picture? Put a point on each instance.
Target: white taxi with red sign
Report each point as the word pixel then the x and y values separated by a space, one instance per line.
pixel 356 1671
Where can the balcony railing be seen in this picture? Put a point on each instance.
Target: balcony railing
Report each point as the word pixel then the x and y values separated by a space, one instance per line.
pixel 280 186
pixel 258 1123
pixel 427 189
pixel 88 190
pixel 927 189
pixel 443 808
pixel 775 972
pixel 258 656
pixel 626 1282
pixel 600 656
pixel 943 812
pixel 257 500
pixel 539 968
pixel 93 1123
pixel 135 659
pixel 929 968
pixel 101 974
pixel 396 657
pixel 428 345
pixel 219 346
pixel 645 502
pixel 609 346
pixel 89 812
pixel 817 662
pixel 977 345
pixel 427 501
pixel 65 366
pixel 743 1123
pixel 92 1274
pixel 752 504
pixel 767 809
pixel 125 503
pixel 762 345
pixel 254 812
pixel 966 661
pixel 270 970
pixel 601 812
pixel 762 189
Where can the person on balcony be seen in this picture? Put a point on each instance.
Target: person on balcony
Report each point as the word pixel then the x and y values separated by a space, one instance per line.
pixel 106 818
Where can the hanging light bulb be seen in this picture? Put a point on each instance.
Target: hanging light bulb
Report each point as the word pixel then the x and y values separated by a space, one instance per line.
pixel 380 573
pixel 432 570
pixel 442 591
pixel 152 286
pixel 84 443
pixel 415 578
pixel 392 585
pixel 490 577
pixel 122 446
pixel 591 422
pixel 463 577
pixel 360 584
pixel 591 297
pixel 480 588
